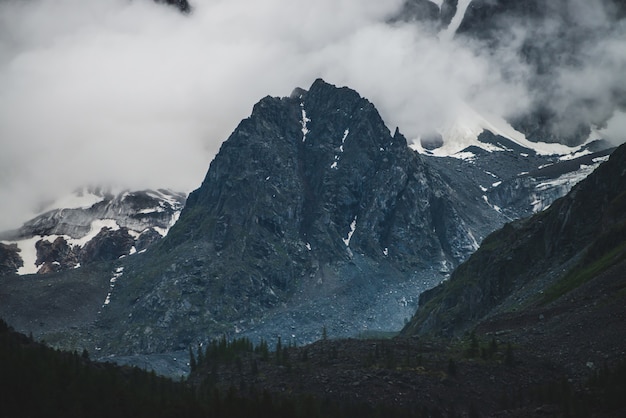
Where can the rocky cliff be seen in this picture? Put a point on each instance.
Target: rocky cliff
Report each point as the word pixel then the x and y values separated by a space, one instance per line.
pixel 10 260
pixel 313 213
pixel 536 260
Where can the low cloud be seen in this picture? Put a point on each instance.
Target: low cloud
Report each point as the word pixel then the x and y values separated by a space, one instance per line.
pixel 134 94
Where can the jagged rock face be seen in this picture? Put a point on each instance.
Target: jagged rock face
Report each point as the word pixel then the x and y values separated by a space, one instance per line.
pixel 310 206
pixel 322 170
pixel 520 261
pixel 10 260
pixel 146 239
pixel 533 192
pixel 108 245
pixel 56 255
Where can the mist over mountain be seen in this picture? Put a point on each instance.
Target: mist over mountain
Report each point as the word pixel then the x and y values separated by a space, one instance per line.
pixel 119 90
pixel 312 216
pixel 433 223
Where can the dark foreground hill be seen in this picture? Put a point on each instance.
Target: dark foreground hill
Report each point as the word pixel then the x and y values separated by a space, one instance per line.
pixel 332 378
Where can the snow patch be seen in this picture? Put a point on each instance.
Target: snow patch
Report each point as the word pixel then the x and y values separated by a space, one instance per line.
pixel 463 131
pixel 163 197
pixel 116 275
pixel 465 155
pixel 494 207
pixel 352 229
pixel 343 140
pixel 475 244
pixel 461 8
pixel 28 252
pixel 151 210
pixel 95 228
pixel 305 120
pixel 574 155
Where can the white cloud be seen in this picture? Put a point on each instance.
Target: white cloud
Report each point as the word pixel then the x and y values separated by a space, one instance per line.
pixel 133 93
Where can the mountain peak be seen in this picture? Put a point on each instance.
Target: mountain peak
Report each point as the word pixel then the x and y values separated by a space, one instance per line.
pixel 309 201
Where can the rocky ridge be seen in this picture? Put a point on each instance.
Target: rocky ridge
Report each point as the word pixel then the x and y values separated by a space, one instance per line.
pixel 550 254
pixel 97 226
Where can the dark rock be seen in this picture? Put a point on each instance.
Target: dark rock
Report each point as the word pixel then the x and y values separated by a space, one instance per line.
pixel 419 11
pixel 427 13
pixel 146 239
pixel 10 260
pixel 55 256
pixel 182 5
pixel 107 245
pixel 448 10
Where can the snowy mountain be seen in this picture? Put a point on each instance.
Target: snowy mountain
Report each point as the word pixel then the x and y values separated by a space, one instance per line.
pixel 91 225
pixel 534 261
pixel 312 215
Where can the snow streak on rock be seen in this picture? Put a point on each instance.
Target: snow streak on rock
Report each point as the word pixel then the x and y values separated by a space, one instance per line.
pixel 305 120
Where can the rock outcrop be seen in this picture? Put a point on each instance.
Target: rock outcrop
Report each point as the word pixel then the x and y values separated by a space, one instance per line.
pixel 10 260
pixel 55 256
pixel 108 245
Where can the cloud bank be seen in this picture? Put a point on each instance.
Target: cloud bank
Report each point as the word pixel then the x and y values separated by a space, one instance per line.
pixel 134 94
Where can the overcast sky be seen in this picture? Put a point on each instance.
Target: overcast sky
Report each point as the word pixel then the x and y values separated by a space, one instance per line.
pixel 134 94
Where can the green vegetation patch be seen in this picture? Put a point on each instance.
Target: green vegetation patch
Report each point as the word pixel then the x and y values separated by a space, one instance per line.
pixel 583 273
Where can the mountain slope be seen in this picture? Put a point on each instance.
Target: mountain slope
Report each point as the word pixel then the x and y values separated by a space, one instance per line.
pixel 535 261
pixel 89 226
pixel 311 214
